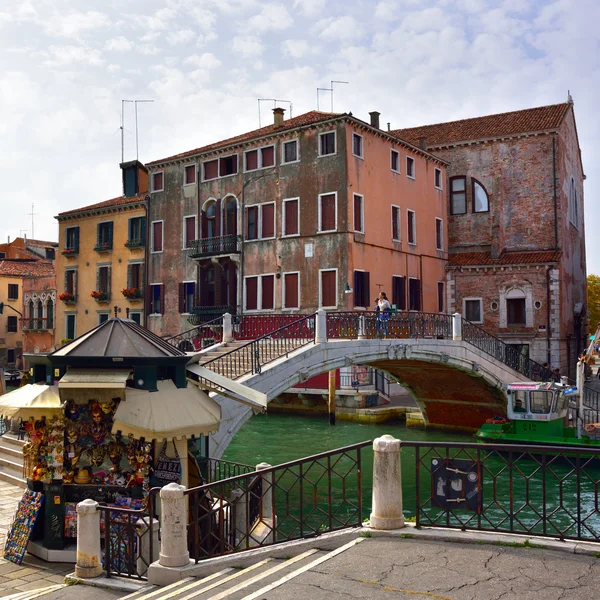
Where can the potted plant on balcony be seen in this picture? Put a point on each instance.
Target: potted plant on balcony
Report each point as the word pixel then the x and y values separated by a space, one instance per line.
pixel 69 252
pixel 134 243
pixel 67 297
pixel 99 296
pixel 132 293
pixel 103 247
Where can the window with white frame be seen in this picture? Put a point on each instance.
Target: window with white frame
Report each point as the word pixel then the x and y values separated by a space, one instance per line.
pixel 157 299
pixel 260 221
pixel 156 237
pixel 291 291
pixel 327 143
pixel 437 178
pixel 290 220
pixel 187 293
pixel 158 183
pixel 481 202
pixel 473 309
pixel 189 231
pixel 410 167
pixel 439 234
pixel 359 213
pixel 289 152
pixel 102 317
pixel 220 167
pixel 458 195
pixel 259 158
pixel 327 218
pixel 357 145
pixel 573 205
pixel 395 223
pixel 328 288
pixel 395 161
pixel 259 292
pixel 411 220
pixel 189 174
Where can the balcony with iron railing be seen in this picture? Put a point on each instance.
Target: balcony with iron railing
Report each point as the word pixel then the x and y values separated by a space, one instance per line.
pixel 201 314
pixel 215 246
pixel 36 324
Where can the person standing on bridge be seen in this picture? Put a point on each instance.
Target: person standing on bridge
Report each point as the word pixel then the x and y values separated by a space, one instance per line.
pixel 383 310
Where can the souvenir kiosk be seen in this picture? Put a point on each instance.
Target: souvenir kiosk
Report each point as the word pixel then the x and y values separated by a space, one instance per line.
pixel 122 407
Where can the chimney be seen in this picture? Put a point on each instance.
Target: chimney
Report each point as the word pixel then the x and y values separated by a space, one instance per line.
pixel 389 128
pixel 375 119
pixel 135 178
pixel 278 116
pixel 423 143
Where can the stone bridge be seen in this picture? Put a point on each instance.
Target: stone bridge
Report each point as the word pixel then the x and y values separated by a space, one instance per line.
pixel 457 385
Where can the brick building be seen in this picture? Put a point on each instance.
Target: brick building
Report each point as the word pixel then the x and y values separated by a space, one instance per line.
pixel 320 210
pixel 516 227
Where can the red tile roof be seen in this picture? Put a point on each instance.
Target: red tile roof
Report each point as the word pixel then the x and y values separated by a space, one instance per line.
pixel 468 259
pixel 529 120
pixel 308 118
pixel 41 243
pixel 119 201
pixel 26 268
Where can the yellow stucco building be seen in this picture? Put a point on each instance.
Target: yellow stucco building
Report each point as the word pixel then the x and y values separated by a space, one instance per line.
pixel 100 262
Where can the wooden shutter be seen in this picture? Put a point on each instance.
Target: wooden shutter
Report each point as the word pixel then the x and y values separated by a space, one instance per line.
pixel 110 234
pixel 251 293
pixel 161 308
pixel 190 174
pixel 291 217
pixel 328 212
pixel 366 289
pixel 328 288
pixel 268 288
pixel 98 236
pixel 98 279
pixel 130 283
pixel 143 229
pixel 252 160
pixel 157 235
pixel 108 279
pixel 291 290
pixel 129 230
pixel 181 298
pixel 190 231
pixel 268 220
pixel 211 169
pixel 357 289
pixel 268 156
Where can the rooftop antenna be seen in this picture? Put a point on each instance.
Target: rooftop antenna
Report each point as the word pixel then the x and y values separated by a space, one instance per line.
pixel 332 82
pixel 32 214
pixel 274 101
pixel 22 232
pixel 136 102
pixel 323 90
pixel 122 128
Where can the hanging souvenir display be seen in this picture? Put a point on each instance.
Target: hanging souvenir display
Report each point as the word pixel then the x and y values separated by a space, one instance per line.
pixel 167 469
pixel 20 532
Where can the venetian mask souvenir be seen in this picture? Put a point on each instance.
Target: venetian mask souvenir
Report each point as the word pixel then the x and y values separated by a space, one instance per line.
pixel 96 454
pixel 72 433
pixel 108 407
pixel 38 473
pixel 68 477
pixel 132 455
pixel 71 411
pixel 35 430
pixel 115 452
pixel 97 432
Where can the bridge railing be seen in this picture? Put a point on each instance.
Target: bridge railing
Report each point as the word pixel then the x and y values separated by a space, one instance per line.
pixel 250 327
pixel 201 336
pixel 251 357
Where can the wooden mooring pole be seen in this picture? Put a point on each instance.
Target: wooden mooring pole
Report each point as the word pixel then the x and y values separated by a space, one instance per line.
pixel 332 397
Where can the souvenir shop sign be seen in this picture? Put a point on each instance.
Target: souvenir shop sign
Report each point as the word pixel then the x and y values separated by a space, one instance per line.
pixel 20 532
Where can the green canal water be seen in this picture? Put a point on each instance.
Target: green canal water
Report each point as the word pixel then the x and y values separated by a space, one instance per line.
pixel 521 496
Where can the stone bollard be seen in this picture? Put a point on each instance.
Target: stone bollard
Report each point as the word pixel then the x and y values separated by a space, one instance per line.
pixel 142 529
pixel 89 561
pixel 227 328
pixel 456 326
pixel 320 326
pixel 362 327
pixel 267 491
pixel 173 544
pixel 387 484
pixel 240 499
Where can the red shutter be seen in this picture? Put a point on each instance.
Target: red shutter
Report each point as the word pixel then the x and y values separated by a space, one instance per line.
pixel 181 298
pixel 190 231
pixel 291 217
pixel 267 296
pixel 251 293
pixel 157 235
pixel 328 212
pixel 190 174
pixel 268 220
pixel 328 296
pixel 252 160
pixel 291 290
pixel 211 169
pixel 157 181
pixel 268 156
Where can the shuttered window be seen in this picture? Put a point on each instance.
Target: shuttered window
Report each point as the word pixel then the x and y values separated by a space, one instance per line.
pixel 362 293
pixel 327 210
pixel 189 231
pixel 156 299
pixel 135 274
pixel 396 223
pixel 440 296
pixel 211 169
pixel 136 231
pixel 268 156
pixel 399 292
pixel 414 294
pixel 329 288
pixel 103 280
pixel 412 227
pixel 157 182
pixel 251 293
pixel 157 236
pixel 187 292
pixel 290 285
pixel 268 292
pixel 252 223
pixel 71 281
pixel 190 174
pixel 72 240
pixel 358 213
pixel 228 165
pixel 251 160
pixel 290 217
pixel 268 220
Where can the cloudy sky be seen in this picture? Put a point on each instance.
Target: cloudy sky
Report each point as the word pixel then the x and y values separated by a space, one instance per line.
pixel 65 66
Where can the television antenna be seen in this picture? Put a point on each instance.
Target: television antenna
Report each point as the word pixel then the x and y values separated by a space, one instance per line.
pixel 274 101
pixel 122 127
pixel 329 89
pixel 32 214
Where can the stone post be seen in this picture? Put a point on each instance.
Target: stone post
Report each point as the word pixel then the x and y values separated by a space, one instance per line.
pixel 173 544
pixel 362 327
pixel 320 326
pixel 142 529
pixel 240 499
pixel 266 513
pixel 89 561
pixel 227 328
pixel 456 326
pixel 387 484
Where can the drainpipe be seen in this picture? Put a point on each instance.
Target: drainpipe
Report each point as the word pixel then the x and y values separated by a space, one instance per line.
pixel 555 192
pixel 146 257
pixel 549 357
pixel 421 280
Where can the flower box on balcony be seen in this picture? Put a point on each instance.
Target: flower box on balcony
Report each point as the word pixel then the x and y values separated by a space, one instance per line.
pixel 103 247
pixel 67 298
pixel 134 243
pixel 100 296
pixel 132 293
pixel 69 252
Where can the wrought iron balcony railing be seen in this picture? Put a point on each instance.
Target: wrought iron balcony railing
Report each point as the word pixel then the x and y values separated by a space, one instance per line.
pixel 215 246
pixel 35 324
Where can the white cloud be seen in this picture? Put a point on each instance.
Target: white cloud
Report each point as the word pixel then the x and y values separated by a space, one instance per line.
pixel 60 56
pixel 183 36
pixel 271 17
pixel 247 45
pixel 310 8
pixel 296 48
pixel 118 44
pixel 72 25
pixel 339 28
pixel 203 61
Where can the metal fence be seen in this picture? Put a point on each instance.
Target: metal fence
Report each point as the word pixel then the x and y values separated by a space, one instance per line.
pixel 250 327
pixel 534 490
pixel 294 500
pixel 198 337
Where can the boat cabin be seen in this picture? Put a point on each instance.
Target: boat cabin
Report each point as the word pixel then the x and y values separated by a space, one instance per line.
pixel 537 401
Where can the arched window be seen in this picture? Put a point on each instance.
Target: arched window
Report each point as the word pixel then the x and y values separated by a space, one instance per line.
pixel 516 311
pixel 231 217
pixel 210 220
pixel 40 314
pixel 481 202
pixel 458 195
pixel 573 206
pixel 50 314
